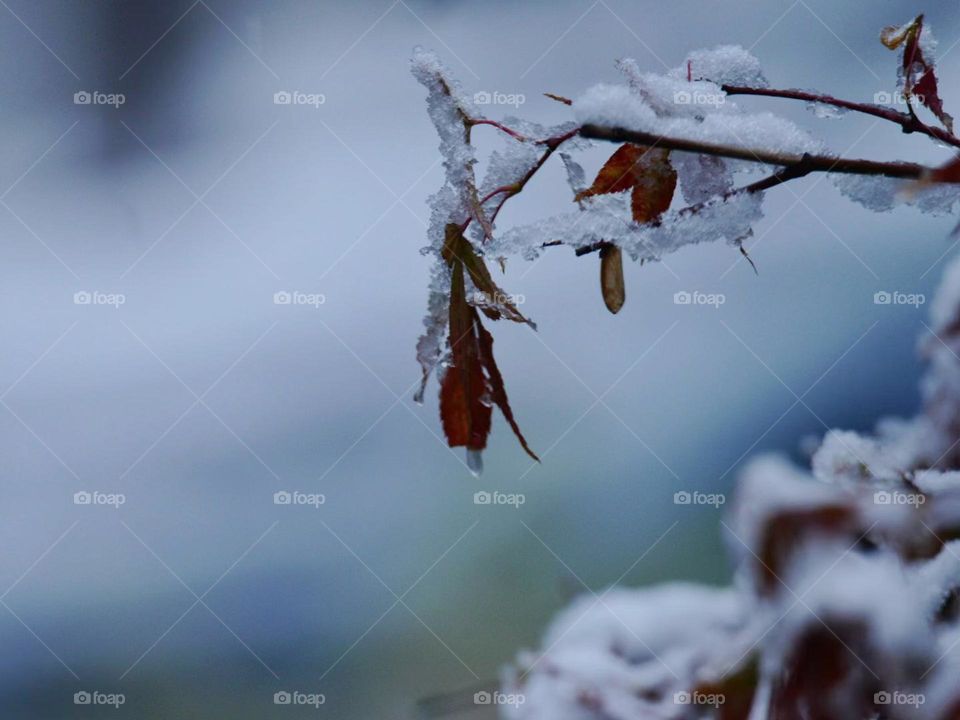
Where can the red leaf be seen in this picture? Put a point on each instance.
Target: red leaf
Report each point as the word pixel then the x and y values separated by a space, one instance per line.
pixel 948 173
pixel 494 302
pixel 616 175
pixel 464 414
pixel 498 392
pixel 655 183
pixel 926 90
pixel 646 171
pixel 912 63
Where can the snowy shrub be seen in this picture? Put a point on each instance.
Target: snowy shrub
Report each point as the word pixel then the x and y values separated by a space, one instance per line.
pixel 846 597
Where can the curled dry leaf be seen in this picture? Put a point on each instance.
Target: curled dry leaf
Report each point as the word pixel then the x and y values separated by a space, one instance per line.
pixel 914 64
pixel 559 98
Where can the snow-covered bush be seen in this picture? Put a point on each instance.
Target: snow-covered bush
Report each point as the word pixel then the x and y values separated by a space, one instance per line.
pixel 846 598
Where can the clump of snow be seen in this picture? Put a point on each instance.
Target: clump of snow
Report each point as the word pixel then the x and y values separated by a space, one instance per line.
pixel 851 457
pixel 881 194
pixel 825 111
pixel 607 218
pixel 448 107
pixel 723 65
pixel 715 123
pixel 576 178
pixel 621 654
pixel 702 176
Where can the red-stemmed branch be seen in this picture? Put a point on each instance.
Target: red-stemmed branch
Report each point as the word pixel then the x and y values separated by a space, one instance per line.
pixel 791 165
pixel 908 121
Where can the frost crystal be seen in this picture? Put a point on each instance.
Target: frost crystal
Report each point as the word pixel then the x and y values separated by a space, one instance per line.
pixel 881 194
pixel 605 218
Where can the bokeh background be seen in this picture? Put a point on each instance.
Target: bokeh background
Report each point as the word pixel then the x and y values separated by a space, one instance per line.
pixel 198 398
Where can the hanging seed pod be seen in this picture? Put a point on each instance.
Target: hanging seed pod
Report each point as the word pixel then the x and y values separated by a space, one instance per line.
pixel 611 278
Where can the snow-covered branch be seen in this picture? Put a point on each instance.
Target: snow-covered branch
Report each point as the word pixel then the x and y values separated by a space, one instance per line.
pixel 676 131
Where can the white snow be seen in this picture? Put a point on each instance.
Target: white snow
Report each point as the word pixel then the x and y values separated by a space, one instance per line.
pixel 724 65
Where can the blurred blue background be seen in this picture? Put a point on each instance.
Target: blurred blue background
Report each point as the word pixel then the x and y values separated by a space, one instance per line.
pixel 199 398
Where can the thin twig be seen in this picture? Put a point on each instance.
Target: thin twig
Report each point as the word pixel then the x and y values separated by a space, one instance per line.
pixel 908 122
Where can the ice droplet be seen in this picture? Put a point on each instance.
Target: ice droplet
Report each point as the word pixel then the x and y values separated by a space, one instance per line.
pixel 475 462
